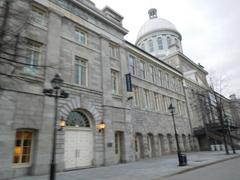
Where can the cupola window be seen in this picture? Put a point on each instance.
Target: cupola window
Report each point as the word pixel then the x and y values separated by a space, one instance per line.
pixel 150 44
pixel 160 44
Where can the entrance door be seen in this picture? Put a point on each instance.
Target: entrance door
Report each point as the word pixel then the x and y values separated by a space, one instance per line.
pixel 78 148
pixel 137 147
pixel 149 141
pixel 118 146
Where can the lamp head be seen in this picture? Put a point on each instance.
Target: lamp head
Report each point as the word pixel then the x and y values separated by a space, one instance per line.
pixel 171 108
pixel 57 82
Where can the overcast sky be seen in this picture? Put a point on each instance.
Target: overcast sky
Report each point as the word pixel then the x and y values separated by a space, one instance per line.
pixel 210 30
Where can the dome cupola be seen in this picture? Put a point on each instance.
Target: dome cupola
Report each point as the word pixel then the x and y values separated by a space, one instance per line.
pixel 158 35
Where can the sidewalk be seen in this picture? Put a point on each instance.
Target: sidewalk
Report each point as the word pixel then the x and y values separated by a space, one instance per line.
pixel 142 170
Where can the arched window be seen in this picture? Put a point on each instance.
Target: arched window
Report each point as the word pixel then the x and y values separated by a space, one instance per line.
pixel 160 44
pixel 77 119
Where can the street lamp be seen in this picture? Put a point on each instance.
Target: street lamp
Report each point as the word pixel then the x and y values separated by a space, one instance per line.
pixel 56 93
pixel 101 126
pixel 181 157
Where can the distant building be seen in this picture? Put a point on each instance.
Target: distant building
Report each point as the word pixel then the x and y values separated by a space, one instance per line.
pixel 87 47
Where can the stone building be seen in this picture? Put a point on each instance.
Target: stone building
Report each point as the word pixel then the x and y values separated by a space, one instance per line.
pixel 87 47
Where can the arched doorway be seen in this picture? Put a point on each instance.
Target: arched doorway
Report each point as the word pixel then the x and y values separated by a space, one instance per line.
pixel 138 146
pixel 184 140
pixel 150 144
pixel 78 146
pixel 161 145
pixel 170 143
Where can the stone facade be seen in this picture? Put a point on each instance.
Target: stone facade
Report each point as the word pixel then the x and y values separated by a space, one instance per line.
pixel 87 47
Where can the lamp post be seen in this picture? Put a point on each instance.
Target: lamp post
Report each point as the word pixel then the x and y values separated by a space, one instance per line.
pixel 56 92
pixel 181 157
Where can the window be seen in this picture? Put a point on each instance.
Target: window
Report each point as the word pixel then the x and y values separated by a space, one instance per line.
pixel 23 147
pixel 38 16
pixel 80 36
pixel 160 44
pixel 169 41
pixel 146 98
pixel 179 106
pixel 77 119
pixel 33 56
pixel 159 81
pixel 166 80
pixel 132 64
pixel 150 45
pixel 136 99
pixel 156 107
pixel 80 71
pixel 176 41
pixel 151 74
pixel 142 69
pixel 113 51
pixel 114 79
pixel 142 46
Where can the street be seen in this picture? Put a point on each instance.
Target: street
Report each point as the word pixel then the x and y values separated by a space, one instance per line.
pixel 155 169
pixel 227 170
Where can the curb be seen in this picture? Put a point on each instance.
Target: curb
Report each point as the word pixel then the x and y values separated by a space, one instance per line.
pixel 199 167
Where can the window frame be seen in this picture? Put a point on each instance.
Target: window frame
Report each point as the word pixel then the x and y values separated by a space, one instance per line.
pixel 151 73
pixel 25 164
pixel 77 36
pixel 31 50
pixel 114 51
pixel 80 59
pixel 35 9
pixel 160 43
pixel 115 74
pixel 142 71
pixel 132 68
pixel 150 45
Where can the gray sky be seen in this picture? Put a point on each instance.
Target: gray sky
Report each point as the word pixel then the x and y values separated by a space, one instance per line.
pixel 209 29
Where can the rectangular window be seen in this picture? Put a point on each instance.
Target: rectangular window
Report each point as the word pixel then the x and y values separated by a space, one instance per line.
pixel 179 105
pixel 150 45
pixel 159 80
pixel 132 64
pixel 151 74
pixel 146 98
pixel 136 99
pixel 80 36
pixel 114 51
pixel 80 71
pixel 161 103
pixel 114 80
pixel 166 80
pixel 142 70
pixel 23 147
pixel 156 104
pixel 38 15
pixel 160 44
pixel 33 57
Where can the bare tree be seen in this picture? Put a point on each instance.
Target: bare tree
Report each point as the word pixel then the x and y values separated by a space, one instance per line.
pixel 14 16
